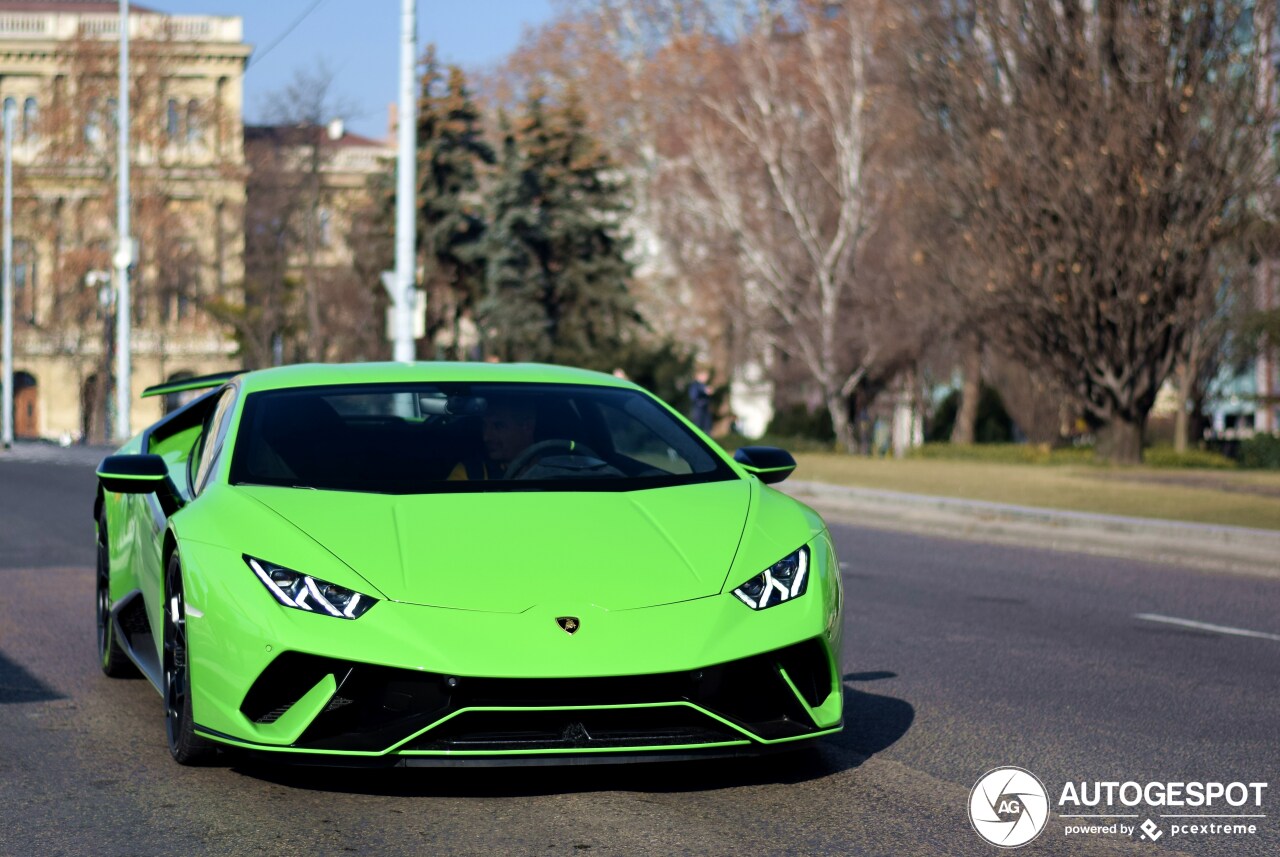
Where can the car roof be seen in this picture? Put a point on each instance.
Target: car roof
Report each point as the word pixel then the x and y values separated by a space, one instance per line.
pixel 325 374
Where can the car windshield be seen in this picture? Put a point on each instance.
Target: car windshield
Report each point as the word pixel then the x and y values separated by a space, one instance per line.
pixel 459 437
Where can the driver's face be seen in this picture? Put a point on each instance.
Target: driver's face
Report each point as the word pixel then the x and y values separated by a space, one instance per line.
pixel 507 433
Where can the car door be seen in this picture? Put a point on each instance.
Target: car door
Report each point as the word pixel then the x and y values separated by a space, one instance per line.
pixel 204 451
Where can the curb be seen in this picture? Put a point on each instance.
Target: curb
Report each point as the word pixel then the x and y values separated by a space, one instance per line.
pixel 1240 550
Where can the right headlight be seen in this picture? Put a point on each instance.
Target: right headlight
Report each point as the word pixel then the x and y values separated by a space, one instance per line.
pixel 786 579
pixel 304 592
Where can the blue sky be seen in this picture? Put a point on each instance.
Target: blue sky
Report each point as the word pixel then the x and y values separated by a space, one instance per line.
pixel 360 41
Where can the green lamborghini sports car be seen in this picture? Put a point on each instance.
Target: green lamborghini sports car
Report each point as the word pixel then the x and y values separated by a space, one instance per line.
pixel 435 564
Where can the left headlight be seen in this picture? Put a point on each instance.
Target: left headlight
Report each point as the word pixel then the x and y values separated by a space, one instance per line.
pixel 304 592
pixel 786 579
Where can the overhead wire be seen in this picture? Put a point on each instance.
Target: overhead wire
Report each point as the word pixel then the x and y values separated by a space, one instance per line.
pixel 258 57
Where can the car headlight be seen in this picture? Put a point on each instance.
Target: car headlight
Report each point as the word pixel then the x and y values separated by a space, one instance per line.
pixel 304 592
pixel 785 579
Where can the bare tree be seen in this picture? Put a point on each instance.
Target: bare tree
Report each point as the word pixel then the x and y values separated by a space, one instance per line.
pixel 1197 363
pixel 1099 156
pixel 964 430
pixel 302 111
pixel 756 138
pixel 1033 398
pixel 790 160
pixel 265 321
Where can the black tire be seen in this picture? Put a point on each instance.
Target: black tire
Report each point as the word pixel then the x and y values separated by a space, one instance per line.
pixel 111 657
pixel 186 747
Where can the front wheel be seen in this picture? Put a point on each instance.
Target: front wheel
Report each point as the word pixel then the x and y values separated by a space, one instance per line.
pixel 186 747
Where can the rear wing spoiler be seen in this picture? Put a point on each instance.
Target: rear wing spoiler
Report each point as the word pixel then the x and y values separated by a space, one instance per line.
pixel 182 385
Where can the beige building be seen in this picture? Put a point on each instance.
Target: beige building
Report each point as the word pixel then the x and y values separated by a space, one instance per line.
pixel 58 74
pixel 343 163
pixel 310 194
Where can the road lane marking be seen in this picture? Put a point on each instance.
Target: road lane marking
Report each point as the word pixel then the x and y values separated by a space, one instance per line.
pixel 1205 626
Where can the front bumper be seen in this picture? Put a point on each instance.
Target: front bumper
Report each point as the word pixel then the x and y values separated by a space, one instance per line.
pixel 353 709
pixel 415 684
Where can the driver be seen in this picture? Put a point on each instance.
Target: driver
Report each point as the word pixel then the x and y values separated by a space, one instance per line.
pixel 508 429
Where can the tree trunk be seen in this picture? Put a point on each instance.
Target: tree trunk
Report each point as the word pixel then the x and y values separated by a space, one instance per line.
pixel 963 433
pixel 838 407
pixel 1181 421
pixel 1185 375
pixel 313 347
pixel 1120 441
pixel 1197 421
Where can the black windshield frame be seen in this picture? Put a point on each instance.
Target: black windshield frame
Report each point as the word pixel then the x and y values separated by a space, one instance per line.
pixel 389 454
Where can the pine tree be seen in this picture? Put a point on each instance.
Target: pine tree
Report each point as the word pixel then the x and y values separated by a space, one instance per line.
pixel 452 152
pixel 558 277
pixel 512 315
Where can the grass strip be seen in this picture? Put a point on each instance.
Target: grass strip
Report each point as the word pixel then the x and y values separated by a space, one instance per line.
pixel 1225 497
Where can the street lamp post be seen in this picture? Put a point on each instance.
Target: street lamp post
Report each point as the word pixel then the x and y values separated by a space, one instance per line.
pixel 124 244
pixel 401 286
pixel 6 413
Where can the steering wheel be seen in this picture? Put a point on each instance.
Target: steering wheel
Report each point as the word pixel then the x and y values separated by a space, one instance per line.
pixel 530 456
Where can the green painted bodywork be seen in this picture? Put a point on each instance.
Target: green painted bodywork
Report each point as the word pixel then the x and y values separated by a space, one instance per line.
pixel 470 584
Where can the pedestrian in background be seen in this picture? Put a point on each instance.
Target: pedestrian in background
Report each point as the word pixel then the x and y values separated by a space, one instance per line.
pixel 700 393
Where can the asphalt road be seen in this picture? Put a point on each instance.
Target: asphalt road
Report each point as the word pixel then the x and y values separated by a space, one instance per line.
pixel 960 657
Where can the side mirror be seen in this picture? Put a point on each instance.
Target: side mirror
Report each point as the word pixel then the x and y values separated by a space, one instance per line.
pixel 768 463
pixel 134 474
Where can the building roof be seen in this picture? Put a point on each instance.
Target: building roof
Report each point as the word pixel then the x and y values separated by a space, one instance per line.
pixel 306 135
pixel 89 7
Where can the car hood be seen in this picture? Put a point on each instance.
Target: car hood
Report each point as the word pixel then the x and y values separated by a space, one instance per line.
pixel 507 552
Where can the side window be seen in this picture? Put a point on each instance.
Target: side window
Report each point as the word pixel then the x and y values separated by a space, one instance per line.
pixel 211 440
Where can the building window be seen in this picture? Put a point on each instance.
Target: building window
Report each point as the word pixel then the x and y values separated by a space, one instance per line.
pixel 219 115
pixel 24 280
pixel 193 121
pixel 30 119
pixel 181 284
pixel 324 222
pixel 219 246
pixel 171 119
pixel 95 123
pixel 188 281
pixel 10 105
pixel 93 127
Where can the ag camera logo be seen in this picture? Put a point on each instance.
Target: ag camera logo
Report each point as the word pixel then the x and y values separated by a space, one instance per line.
pixel 1008 807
